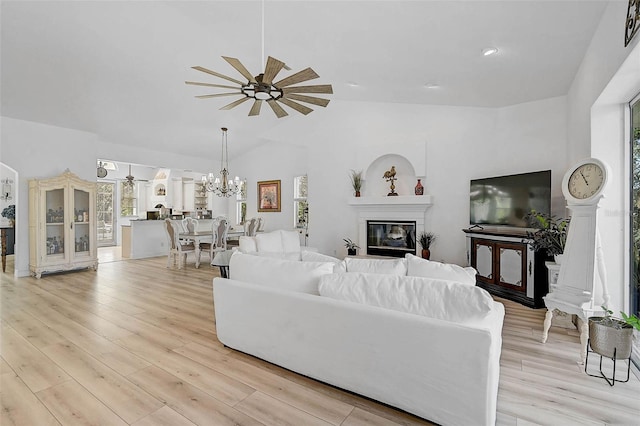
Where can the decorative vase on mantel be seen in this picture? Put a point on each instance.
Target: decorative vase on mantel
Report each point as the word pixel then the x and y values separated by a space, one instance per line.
pixel 357 193
pixel 419 188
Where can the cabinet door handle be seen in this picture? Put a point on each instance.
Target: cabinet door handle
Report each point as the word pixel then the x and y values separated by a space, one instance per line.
pixel 530 265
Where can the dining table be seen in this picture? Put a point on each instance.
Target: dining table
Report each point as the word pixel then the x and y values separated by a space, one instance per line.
pixel 197 237
pixel 203 237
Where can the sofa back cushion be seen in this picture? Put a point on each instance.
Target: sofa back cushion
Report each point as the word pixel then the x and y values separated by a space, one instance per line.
pixel 291 255
pixel 269 242
pixel 247 244
pixel 285 274
pixel 419 267
pixel 433 298
pixel 312 256
pixel 376 266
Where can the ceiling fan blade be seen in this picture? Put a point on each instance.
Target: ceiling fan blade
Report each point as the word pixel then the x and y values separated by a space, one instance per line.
pixel 298 107
pixel 195 83
pixel 319 88
pixel 236 103
pixel 272 69
pixel 255 109
pixel 309 99
pixel 299 77
pixel 277 109
pixel 217 74
pixel 240 68
pixel 218 95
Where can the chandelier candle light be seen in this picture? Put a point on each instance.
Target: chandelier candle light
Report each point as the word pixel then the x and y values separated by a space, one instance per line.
pixel 221 185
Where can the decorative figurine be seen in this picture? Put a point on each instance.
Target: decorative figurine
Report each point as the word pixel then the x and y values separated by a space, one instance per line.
pixel 390 176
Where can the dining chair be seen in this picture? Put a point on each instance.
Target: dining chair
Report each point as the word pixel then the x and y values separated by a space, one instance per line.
pixel 178 249
pixel 189 224
pixel 220 229
pixel 251 227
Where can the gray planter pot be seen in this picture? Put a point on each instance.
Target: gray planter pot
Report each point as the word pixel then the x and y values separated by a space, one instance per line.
pixel 605 338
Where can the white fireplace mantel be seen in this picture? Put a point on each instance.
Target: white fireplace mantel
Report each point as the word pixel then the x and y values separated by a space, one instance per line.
pixel 405 208
pixel 400 201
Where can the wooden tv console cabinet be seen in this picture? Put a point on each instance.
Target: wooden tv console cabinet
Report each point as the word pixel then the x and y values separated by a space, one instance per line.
pixel 507 265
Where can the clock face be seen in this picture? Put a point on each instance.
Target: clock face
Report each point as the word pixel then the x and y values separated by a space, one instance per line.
pixel 102 172
pixel 586 181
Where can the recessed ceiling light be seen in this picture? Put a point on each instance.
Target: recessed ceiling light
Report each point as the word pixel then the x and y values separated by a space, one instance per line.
pixel 488 51
pixel 352 84
pixel 431 86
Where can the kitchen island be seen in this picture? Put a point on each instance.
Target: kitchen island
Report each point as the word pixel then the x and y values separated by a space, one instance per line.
pixel 148 238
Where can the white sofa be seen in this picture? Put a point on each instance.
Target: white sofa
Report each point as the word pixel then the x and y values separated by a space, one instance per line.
pixel 440 362
pixel 279 244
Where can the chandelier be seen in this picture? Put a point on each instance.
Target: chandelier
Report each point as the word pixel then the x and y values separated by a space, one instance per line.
pixel 222 185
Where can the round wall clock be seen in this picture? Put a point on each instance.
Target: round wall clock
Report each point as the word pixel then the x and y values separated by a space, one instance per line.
pixel 584 181
pixel 102 172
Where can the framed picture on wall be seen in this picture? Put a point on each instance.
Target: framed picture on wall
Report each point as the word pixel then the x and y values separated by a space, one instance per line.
pixel 269 196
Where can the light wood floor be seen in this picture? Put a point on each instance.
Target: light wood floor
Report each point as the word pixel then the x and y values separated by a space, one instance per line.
pixel 135 343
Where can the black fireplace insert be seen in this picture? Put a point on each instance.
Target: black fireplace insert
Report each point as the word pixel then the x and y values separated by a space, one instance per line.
pixel 391 237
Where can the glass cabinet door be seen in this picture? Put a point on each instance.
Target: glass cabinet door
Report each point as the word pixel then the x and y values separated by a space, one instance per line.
pixel 81 223
pixel 55 214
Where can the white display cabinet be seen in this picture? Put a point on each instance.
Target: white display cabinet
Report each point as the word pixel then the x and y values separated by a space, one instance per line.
pixel 62 224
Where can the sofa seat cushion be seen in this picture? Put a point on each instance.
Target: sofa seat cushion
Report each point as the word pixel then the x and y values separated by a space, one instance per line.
pixel 376 266
pixel 419 267
pixel 284 274
pixel 433 298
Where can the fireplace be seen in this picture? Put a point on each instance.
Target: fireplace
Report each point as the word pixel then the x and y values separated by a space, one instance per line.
pixel 402 209
pixel 393 238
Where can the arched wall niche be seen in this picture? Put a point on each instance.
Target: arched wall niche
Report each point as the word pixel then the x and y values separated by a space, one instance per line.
pixel 376 185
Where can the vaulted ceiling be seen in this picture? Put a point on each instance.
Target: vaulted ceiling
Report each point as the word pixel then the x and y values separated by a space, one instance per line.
pixel 117 68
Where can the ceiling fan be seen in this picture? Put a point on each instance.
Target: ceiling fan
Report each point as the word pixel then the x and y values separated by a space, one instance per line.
pixel 130 180
pixel 262 88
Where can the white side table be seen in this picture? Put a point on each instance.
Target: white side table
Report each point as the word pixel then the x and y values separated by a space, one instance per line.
pixel 560 319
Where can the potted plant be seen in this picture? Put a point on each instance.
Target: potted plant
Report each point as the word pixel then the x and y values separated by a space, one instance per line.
pixel 10 213
pixel 351 246
pixel 356 181
pixel 426 239
pixel 612 337
pixel 550 233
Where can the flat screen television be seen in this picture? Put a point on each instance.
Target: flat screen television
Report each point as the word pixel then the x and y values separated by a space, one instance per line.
pixel 505 200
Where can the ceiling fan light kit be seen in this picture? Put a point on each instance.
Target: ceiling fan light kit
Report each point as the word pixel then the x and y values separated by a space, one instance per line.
pixel 262 88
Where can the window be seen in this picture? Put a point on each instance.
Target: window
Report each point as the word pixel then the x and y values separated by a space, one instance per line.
pixel 241 203
pixel 128 201
pixel 634 279
pixel 104 206
pixel 300 204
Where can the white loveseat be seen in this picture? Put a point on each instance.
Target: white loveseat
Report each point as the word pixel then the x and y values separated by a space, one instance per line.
pixel 428 346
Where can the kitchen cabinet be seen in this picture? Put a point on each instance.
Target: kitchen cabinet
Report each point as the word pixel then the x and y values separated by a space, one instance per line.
pixel 195 197
pixel 62 224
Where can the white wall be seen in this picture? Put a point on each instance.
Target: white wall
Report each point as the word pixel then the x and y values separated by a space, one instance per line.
pixel 608 78
pixel 270 161
pixel 453 144
pixel 38 150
